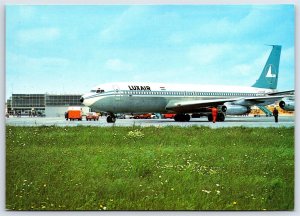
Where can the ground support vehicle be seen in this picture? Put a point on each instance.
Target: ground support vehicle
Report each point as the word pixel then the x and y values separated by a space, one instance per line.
pixel 73 113
pixel 92 116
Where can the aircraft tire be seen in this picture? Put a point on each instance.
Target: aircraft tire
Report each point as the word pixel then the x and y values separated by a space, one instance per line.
pixel 209 117
pixel 179 117
pixel 221 117
pixel 109 119
pixel 187 117
pixel 182 117
pixel 113 119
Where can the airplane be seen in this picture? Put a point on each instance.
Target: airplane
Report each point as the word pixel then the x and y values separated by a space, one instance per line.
pixel 128 97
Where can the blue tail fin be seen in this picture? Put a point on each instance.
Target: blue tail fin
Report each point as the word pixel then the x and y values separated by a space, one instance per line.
pixel 269 76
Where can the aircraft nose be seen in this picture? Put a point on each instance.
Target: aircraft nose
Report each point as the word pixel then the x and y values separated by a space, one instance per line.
pixel 81 99
pixel 88 99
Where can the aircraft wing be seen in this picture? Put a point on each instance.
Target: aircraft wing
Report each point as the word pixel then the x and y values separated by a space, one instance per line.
pixel 197 105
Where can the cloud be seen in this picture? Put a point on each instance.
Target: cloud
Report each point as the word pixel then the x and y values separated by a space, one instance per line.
pixel 287 56
pixel 207 53
pixel 287 69
pixel 121 27
pixel 242 69
pixel 247 26
pixel 37 35
pixel 36 74
pixel 226 63
pixel 26 12
pixel 23 65
pixel 118 65
pixel 175 38
pixel 204 45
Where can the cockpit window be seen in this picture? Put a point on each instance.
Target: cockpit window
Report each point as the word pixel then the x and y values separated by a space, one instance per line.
pixel 99 91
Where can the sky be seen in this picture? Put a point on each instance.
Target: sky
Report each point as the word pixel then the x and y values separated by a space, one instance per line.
pixel 68 49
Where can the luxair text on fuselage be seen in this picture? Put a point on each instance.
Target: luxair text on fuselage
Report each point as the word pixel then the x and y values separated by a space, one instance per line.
pixel 135 87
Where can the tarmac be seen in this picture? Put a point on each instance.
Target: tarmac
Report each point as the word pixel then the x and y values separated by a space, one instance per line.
pixel 230 121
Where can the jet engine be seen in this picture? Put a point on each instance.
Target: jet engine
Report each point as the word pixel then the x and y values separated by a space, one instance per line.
pixel 223 108
pixel 288 105
pixel 237 110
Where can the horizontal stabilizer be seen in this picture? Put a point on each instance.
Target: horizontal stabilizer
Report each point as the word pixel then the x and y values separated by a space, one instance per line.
pixel 288 92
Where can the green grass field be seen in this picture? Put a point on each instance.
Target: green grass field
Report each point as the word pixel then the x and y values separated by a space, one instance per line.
pixel 132 168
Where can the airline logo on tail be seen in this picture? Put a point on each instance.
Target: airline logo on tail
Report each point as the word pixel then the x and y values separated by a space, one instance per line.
pixel 269 73
pixel 269 76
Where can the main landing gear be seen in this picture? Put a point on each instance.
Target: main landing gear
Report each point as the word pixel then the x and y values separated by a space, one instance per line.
pixel 111 118
pixel 180 117
pixel 220 117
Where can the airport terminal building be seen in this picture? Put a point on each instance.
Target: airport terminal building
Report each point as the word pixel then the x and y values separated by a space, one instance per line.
pixel 50 105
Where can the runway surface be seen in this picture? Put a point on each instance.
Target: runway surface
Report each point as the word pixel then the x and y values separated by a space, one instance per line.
pixel 249 121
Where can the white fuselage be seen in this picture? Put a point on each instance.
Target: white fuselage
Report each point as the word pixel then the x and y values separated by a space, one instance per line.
pixel 154 97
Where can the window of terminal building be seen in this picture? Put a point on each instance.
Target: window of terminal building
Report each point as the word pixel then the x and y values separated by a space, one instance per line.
pixel 63 100
pixel 28 100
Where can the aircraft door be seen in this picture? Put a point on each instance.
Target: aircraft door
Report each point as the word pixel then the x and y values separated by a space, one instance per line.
pixel 117 99
pixel 117 92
